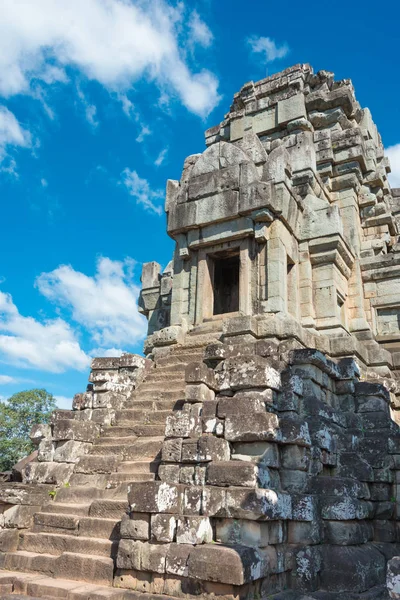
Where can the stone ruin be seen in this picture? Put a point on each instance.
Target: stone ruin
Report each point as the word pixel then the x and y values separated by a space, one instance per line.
pixel 253 454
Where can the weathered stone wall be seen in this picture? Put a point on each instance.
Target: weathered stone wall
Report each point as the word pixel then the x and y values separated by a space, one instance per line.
pixel 62 444
pixel 280 472
pixel 294 180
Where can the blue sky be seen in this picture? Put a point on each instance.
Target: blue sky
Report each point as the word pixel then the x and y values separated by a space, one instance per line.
pixel 100 103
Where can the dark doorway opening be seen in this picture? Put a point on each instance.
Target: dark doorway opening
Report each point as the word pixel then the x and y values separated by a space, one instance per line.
pixel 226 284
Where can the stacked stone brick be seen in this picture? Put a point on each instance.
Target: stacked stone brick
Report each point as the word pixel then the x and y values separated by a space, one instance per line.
pixel 255 452
pixel 279 473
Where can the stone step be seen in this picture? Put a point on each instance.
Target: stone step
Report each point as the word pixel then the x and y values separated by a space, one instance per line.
pixel 155 401
pixel 162 376
pixel 179 350
pixel 162 386
pixel 38 586
pixel 109 508
pixel 179 360
pixel 136 466
pixel 107 458
pixel 143 431
pixel 119 478
pixel 142 416
pixel 56 543
pixel 144 448
pixel 67 509
pixel 74 525
pixel 172 365
pixel 78 494
pixel 105 450
pixel 122 440
pixel 104 459
pixel 74 566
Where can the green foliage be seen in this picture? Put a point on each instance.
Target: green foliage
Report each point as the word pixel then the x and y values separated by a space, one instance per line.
pixel 17 416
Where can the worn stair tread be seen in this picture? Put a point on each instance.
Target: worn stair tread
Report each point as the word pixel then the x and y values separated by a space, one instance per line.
pixel 131 477
pixel 140 416
pixel 93 527
pixel 80 492
pixel 67 509
pixel 60 543
pixel 139 466
pixel 80 589
pixel 110 441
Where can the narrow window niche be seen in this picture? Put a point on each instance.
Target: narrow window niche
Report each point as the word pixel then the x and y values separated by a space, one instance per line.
pixel 226 268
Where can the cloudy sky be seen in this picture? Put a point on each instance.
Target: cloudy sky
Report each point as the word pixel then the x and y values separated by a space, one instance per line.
pixel 100 102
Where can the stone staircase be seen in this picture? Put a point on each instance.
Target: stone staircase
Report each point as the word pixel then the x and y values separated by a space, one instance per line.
pixel 75 536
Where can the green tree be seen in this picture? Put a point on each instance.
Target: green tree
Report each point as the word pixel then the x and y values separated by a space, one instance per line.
pixel 17 416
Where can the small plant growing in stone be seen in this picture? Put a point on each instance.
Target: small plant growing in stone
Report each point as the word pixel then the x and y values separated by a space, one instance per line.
pixel 52 494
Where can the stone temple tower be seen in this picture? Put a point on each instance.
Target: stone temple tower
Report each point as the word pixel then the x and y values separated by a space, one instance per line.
pixel 286 224
pixel 254 454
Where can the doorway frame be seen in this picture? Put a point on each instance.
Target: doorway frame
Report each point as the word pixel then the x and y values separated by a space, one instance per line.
pixel 205 279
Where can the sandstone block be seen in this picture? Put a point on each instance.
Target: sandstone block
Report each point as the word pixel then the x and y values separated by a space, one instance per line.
pixel 53 473
pixel 172 450
pixel 254 504
pixel 82 401
pixel 40 432
pixel 236 565
pixel 154 497
pixel 197 373
pixel 205 449
pixel 169 473
pixel 393 578
pixel 300 532
pixel 249 533
pixel 8 540
pixel 199 393
pixel 46 451
pixel 194 530
pixel 75 430
pixel 295 457
pixel 247 372
pixel 70 451
pixel 135 526
pixel 263 453
pixel 163 528
pixel 178 425
pixel 347 533
pixel 232 473
pixel 129 553
pixel 177 558
pixel 248 428
pixel 19 516
pixel 337 577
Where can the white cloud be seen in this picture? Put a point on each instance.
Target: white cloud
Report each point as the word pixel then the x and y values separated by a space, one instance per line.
pixel 105 304
pixel 63 402
pixel 393 153
pixel 267 47
pixel 200 32
pixel 140 190
pixel 114 42
pixel 109 352
pixel 11 134
pixel 44 183
pixel 4 379
pixel 161 157
pixel 90 109
pixel 127 105
pixel 143 133
pixel 25 341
